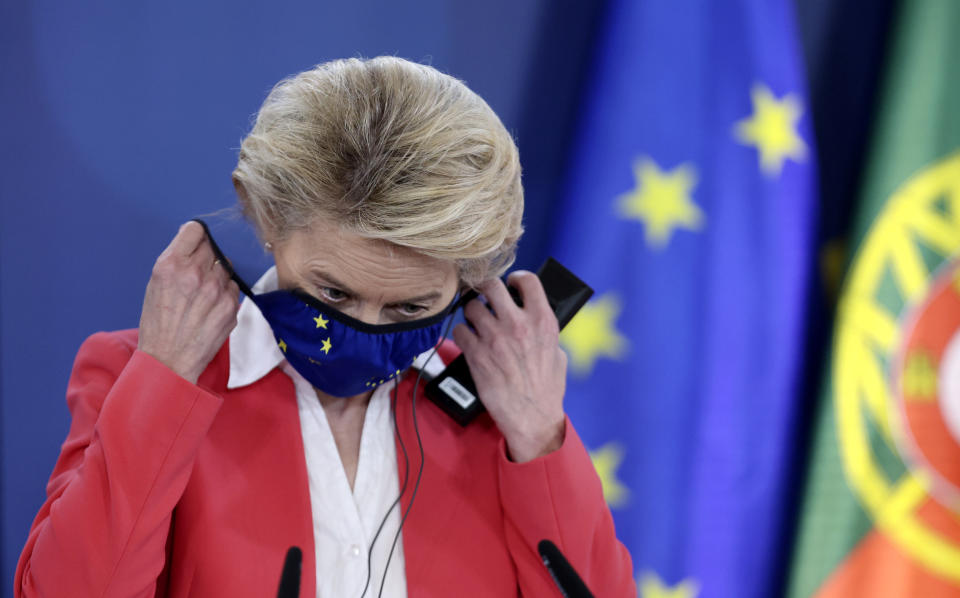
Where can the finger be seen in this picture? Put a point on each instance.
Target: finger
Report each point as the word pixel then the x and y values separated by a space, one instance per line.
pixel 480 318
pixel 500 300
pixel 233 290
pixel 531 291
pixel 203 256
pixel 220 273
pixel 207 296
pixel 219 263
pixel 465 338
pixel 188 239
pixel 212 315
pixel 227 308
pixel 225 263
pixel 229 281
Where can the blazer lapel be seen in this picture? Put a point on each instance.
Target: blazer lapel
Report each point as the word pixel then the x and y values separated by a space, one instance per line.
pixel 259 428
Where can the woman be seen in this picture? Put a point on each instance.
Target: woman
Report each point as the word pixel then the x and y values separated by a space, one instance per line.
pixel 219 434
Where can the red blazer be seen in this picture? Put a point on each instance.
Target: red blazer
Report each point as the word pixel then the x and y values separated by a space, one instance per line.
pixel 166 488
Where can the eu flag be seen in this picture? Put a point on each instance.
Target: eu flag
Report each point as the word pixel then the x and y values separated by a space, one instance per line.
pixel 689 209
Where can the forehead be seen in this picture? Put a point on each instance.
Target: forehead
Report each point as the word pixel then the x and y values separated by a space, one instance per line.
pixel 368 266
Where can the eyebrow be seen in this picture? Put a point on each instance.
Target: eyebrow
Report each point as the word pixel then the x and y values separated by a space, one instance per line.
pixel 432 296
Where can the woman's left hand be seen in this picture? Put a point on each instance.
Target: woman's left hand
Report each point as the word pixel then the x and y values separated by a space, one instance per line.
pixel 517 364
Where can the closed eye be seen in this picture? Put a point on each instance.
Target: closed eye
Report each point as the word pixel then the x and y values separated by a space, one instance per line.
pixel 332 295
pixel 410 310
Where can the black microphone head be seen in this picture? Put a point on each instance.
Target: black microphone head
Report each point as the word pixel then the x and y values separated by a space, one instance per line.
pixel 546 548
pixel 290 577
pixel 563 573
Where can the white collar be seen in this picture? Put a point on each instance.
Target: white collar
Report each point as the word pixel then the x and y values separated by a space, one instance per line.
pixel 254 351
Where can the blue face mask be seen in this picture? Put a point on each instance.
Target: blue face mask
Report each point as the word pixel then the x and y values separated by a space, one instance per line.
pixel 338 354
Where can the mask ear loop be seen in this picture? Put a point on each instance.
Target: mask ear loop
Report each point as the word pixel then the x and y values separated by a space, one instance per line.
pixel 465 297
pixel 406 459
pixel 223 260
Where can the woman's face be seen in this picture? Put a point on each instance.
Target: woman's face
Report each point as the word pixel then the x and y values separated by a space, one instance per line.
pixel 373 281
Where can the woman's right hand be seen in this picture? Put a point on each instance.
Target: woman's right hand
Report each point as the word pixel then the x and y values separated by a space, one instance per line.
pixel 190 305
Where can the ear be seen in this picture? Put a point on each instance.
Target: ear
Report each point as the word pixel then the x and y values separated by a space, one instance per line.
pixel 467 294
pixel 241 191
pixel 259 228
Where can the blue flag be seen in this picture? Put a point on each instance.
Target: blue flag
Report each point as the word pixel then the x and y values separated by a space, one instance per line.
pixel 690 209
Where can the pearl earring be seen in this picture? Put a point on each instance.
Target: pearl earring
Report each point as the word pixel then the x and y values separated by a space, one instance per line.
pixel 268 246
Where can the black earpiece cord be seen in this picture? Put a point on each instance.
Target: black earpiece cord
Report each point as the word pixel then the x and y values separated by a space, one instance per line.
pixel 406 470
pixel 416 429
pixel 403 488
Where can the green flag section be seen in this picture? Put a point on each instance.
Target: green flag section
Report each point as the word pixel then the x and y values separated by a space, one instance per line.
pixel 881 510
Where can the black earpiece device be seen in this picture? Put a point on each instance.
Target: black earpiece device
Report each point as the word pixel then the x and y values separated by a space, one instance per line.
pixel 453 389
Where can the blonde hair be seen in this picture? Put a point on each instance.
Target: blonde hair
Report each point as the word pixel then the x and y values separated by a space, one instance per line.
pixel 392 150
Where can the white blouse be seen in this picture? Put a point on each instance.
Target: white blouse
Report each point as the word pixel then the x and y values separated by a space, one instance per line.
pixel 344 521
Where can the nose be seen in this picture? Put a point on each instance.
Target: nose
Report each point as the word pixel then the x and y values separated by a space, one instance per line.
pixel 368 313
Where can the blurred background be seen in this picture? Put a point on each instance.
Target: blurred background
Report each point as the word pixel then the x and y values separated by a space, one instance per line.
pixel 725 174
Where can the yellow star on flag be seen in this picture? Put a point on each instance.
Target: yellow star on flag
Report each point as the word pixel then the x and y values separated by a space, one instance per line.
pixel 591 334
pixel 282 345
pixel 772 129
pixel 651 586
pixel 321 323
pixel 326 346
pixel 662 200
pixel 606 460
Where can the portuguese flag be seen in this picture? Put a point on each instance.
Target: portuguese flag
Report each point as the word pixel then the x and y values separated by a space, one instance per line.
pixel 881 510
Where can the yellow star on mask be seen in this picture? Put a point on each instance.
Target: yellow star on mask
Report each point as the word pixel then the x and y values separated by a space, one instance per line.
pixel 772 129
pixel 282 345
pixel 321 323
pixel 651 586
pixel 326 346
pixel 591 334
pixel 606 460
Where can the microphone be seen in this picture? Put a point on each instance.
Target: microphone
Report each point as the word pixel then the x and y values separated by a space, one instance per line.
pixel 562 572
pixel 290 577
